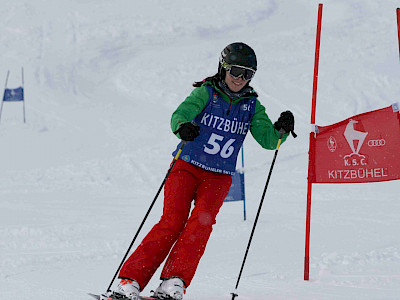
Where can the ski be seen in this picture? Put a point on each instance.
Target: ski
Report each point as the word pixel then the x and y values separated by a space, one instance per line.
pixel 103 297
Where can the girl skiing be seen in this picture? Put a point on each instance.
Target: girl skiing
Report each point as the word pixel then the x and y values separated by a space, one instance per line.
pixel 214 120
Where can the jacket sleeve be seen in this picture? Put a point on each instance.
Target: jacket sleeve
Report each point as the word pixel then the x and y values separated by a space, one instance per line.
pixel 190 107
pixel 263 130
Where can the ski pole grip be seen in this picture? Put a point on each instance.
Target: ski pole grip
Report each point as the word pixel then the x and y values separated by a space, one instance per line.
pixel 180 150
pixel 279 144
pixel 281 132
pixel 177 155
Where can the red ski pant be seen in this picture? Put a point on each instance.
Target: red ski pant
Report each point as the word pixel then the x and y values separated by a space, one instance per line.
pixel 187 236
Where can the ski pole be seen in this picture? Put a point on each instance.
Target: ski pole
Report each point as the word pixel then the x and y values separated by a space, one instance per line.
pixel 234 294
pixel 147 214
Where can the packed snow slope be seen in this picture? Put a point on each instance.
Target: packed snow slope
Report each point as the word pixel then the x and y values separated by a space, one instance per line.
pixel 102 79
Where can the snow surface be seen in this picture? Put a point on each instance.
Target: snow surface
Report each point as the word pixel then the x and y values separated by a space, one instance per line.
pixel 101 81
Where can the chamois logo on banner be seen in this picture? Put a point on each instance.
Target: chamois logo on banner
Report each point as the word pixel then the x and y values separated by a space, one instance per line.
pixel 355 139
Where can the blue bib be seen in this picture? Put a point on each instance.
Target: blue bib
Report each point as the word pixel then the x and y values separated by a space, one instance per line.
pixel 223 127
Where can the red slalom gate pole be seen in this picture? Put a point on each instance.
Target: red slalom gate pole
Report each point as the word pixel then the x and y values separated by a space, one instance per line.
pixel 398 26
pixel 312 146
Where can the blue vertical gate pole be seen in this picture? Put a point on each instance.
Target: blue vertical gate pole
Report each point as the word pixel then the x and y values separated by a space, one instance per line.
pixel 242 188
pixel 23 93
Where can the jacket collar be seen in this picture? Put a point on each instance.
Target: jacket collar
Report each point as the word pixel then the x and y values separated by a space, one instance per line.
pixel 222 88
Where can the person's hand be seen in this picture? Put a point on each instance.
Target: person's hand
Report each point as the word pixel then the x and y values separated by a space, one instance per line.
pixel 189 131
pixel 285 122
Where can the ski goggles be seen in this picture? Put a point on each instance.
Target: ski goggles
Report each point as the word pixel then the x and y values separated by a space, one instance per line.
pixel 237 71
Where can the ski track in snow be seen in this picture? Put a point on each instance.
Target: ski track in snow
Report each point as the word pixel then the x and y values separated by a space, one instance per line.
pixel 101 81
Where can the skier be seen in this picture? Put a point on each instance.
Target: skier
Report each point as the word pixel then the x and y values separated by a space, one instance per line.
pixel 214 119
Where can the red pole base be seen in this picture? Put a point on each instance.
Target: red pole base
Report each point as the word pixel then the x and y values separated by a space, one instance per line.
pixel 306 268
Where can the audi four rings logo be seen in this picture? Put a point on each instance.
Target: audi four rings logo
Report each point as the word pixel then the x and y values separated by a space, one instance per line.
pixel 376 143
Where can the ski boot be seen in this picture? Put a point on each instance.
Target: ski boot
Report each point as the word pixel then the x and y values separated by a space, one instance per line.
pixel 126 290
pixel 170 289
